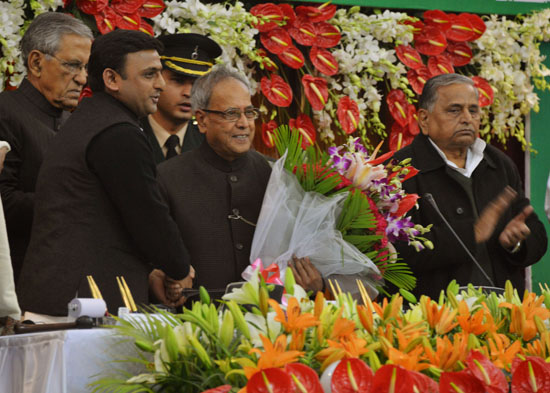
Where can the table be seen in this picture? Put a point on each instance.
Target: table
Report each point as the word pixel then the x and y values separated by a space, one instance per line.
pixel 61 361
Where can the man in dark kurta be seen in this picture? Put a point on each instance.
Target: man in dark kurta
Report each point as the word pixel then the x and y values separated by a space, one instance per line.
pixel 100 210
pixel 56 48
pixel 215 192
pixel 466 178
pixel 171 129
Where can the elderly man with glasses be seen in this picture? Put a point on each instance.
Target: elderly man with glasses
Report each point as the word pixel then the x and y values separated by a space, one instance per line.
pixel 55 49
pixel 215 192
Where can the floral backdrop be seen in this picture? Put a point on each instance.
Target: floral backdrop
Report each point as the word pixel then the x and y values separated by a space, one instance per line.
pixel 330 71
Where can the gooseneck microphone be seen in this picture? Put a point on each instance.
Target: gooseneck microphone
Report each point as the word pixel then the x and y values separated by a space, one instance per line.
pixel 429 197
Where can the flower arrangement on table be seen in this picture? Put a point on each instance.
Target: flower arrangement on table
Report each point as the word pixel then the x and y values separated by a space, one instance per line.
pixel 466 341
pixel 344 57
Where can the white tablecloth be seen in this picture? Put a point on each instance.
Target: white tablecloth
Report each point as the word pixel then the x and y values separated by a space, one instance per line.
pixel 61 361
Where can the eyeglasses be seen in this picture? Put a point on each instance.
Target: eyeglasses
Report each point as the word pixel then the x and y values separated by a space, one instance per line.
pixel 235 114
pixel 74 67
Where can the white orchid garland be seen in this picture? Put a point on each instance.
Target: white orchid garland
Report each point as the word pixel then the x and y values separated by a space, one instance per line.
pixel 507 55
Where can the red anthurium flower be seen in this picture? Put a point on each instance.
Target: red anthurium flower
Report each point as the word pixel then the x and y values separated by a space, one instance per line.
pixel 267 62
pixel 438 19
pixel 487 373
pixel 146 28
pixel 440 64
pixel 422 382
pixel 418 78
pixel 486 93
pixel 67 3
pixel 219 389
pixel 455 382
pixel 126 6
pixel 351 376
pixel 392 378
pixel 461 29
pixel 431 41
pixel 414 129
pixel 323 60
pixel 399 137
pixel 91 7
pixel 106 20
pixel 289 16
pixel 327 35
pixel 477 23
pixel 409 56
pixel 316 91
pixel 129 22
pixel 151 8
pixel 460 53
pixel 276 40
pixel 304 125
pixel 269 12
pixel 268 130
pixel 398 105
pixel 270 380
pixel 417 26
pixel 303 31
pixel 531 376
pixel 86 92
pixel 292 57
pixel 517 361
pixel 276 90
pixel 305 376
pixel 317 14
pixel 348 114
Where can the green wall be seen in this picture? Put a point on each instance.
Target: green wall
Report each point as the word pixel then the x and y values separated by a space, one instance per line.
pixel 540 167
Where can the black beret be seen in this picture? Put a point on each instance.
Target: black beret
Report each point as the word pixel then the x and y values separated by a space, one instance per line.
pixel 189 54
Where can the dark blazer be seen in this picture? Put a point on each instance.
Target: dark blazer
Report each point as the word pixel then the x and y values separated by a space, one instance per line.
pixel 193 139
pixel 203 191
pixel 434 269
pixel 100 213
pixel 28 122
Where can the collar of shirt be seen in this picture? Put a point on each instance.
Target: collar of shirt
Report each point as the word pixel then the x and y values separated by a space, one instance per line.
pixel 162 135
pixel 38 99
pixel 474 155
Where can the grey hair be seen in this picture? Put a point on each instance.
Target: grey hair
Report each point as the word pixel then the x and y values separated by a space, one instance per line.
pixel 204 86
pixel 46 31
pixel 429 93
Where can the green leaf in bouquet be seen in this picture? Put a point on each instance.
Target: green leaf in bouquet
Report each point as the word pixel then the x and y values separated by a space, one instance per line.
pixel 399 274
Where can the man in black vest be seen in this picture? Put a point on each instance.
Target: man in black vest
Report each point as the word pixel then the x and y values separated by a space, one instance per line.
pixel 55 49
pixel 171 129
pixel 100 210
pixel 474 185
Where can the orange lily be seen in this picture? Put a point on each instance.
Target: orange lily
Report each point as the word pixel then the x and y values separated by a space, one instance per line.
pixel 293 320
pixel 523 317
pixel 478 323
pixel 439 319
pixel 273 355
pixel 501 352
pixel 447 353
pixel 411 360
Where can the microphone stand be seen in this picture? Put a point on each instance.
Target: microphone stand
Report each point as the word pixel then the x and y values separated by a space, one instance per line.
pixel 429 197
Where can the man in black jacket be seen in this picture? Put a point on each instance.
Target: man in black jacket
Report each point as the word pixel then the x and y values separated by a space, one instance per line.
pixel 100 210
pixel 55 49
pixel 171 129
pixel 478 190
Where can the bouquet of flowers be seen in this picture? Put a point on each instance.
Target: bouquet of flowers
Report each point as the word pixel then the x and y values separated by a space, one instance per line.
pixel 342 209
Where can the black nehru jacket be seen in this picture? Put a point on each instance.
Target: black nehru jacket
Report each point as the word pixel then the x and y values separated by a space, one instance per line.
pixel 100 213
pixel 28 122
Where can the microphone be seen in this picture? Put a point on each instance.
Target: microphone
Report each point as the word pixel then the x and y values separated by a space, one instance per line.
pixel 429 197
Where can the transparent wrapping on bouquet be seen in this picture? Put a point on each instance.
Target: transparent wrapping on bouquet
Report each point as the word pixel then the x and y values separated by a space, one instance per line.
pixel 295 222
